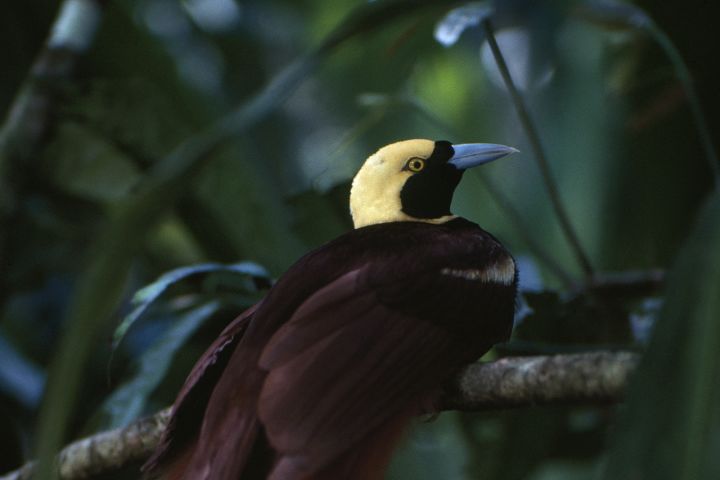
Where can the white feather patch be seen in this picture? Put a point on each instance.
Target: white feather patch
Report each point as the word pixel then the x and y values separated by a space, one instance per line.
pixel 502 272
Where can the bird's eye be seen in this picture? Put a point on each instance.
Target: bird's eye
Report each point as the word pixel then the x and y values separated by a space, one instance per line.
pixel 415 164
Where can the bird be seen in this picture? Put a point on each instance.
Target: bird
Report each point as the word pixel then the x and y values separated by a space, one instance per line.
pixel 320 379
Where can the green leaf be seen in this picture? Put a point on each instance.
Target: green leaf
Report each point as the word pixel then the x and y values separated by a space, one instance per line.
pixel 128 401
pixel 148 295
pixel 671 427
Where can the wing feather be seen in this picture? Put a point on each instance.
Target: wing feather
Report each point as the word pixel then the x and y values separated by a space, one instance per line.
pixel 344 365
pixel 184 422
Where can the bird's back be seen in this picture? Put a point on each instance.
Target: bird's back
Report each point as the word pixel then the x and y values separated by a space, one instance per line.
pixel 320 379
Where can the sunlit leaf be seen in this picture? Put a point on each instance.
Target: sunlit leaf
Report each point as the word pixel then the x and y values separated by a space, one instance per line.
pixel 671 427
pixel 449 29
pixel 128 401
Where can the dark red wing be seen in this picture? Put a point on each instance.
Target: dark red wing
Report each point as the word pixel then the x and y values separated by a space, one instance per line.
pixel 326 376
pixel 230 429
pixel 343 366
pixel 185 419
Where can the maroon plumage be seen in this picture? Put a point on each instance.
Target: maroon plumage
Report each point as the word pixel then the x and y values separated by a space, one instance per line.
pixel 319 379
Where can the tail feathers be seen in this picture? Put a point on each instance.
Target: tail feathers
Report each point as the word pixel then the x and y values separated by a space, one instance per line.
pixel 172 469
pixel 226 452
pixel 179 440
pixel 253 457
pixel 367 460
pixel 177 468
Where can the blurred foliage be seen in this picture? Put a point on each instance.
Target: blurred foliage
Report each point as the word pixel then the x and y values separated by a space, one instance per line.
pixel 233 287
pixel 680 372
pixel 103 205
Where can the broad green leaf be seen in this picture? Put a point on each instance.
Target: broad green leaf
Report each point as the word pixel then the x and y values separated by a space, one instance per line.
pixel 671 427
pixel 146 296
pixel 128 401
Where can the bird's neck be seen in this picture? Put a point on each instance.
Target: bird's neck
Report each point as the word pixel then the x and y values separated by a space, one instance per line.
pixel 366 218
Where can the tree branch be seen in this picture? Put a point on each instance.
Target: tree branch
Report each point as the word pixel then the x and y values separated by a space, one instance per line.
pixel 587 378
pixel 105 451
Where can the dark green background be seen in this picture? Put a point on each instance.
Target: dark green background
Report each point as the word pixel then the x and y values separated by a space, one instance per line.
pixel 93 221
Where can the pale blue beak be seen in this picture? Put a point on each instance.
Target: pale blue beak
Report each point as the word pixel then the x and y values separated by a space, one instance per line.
pixel 468 155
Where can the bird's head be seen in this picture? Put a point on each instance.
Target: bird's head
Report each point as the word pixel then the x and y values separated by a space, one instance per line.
pixel 414 180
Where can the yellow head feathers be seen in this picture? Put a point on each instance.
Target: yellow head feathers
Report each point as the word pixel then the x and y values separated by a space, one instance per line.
pixel 375 194
pixel 414 180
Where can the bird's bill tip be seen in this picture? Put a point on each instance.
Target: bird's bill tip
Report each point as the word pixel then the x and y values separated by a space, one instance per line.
pixel 468 155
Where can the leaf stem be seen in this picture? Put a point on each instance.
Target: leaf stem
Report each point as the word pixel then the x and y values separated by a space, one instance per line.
pixel 537 148
pixel 514 215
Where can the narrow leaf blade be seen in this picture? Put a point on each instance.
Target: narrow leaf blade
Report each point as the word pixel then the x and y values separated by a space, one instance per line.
pixel 672 422
pixel 149 294
pixel 128 401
